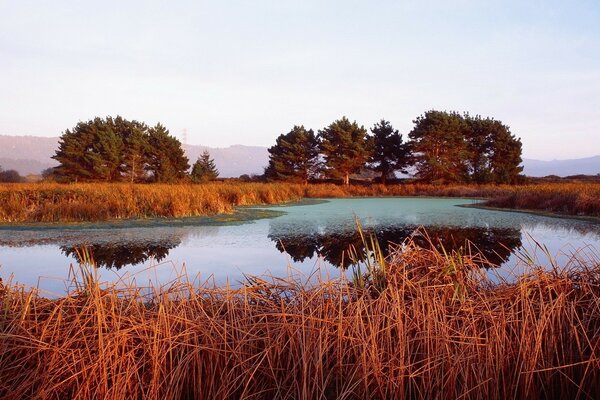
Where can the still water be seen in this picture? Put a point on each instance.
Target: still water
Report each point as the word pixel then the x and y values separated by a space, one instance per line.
pixel 275 240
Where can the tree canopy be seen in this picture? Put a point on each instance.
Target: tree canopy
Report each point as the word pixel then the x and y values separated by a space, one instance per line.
pixel 443 147
pixel 10 176
pixel 389 154
pixel 345 148
pixel 115 149
pixel 295 156
pixel 449 147
pixel 166 160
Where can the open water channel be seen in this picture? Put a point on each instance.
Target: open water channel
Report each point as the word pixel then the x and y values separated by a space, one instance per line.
pixel 302 237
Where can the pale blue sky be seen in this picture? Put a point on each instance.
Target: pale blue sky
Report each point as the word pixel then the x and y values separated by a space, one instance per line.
pixel 245 71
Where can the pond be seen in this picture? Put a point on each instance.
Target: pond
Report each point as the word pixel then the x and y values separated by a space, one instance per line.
pixel 301 237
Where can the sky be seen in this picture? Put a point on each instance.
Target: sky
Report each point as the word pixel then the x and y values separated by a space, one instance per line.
pixel 243 72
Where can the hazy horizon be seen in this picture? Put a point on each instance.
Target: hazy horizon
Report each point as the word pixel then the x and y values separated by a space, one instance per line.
pixel 243 73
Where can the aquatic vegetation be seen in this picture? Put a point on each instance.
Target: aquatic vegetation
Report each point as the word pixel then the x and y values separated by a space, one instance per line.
pixel 431 330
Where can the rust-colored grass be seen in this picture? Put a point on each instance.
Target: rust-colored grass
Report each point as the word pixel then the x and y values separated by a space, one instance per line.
pixel 51 202
pixel 98 202
pixel 581 199
pixel 431 331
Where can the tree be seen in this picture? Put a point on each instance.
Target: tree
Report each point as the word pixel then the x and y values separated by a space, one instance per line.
pixel 439 147
pixel 10 176
pixel 166 160
pixel 90 151
pixel 495 154
pixel 73 146
pixel 295 156
pixel 505 157
pixel 345 148
pixel 450 147
pixel 389 152
pixel 204 169
pixel 115 149
pixel 135 149
pixel 105 154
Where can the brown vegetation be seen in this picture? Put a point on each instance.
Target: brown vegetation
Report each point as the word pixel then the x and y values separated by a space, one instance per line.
pixel 580 199
pixel 51 202
pixel 427 329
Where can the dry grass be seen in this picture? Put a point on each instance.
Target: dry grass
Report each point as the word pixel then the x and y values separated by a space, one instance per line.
pixel 100 202
pixel 582 199
pixel 432 330
pixel 97 202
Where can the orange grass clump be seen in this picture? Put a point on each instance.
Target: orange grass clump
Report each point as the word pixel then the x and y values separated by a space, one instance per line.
pixel 432 330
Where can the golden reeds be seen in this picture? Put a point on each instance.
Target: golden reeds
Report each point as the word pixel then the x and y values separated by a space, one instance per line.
pixel 51 202
pixel 433 331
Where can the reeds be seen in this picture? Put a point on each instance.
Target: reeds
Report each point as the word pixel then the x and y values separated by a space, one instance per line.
pixel 434 330
pixel 99 202
pixel 580 199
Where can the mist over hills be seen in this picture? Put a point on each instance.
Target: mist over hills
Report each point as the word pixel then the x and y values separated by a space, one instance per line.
pixel 31 155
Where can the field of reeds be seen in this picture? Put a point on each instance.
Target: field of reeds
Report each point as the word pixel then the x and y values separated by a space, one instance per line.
pixel 423 328
pixel 575 199
pixel 100 202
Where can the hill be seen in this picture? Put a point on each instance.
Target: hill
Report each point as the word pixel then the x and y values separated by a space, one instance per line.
pixel 579 166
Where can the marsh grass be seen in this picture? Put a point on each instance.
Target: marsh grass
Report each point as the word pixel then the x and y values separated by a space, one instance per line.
pixel 51 202
pixel 101 202
pixel 578 199
pixel 433 330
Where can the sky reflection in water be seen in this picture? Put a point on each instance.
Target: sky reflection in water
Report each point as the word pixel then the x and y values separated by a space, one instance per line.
pixel 305 235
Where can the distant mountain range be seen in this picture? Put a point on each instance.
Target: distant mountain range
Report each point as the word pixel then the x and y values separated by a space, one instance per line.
pixel 585 166
pixel 31 155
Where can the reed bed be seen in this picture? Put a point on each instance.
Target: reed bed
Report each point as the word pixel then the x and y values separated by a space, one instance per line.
pixel 100 202
pixel 580 199
pixel 428 329
pixel 51 202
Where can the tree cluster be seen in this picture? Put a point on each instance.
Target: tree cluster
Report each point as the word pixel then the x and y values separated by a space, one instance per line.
pixel 443 147
pixel 10 176
pixel 117 150
pixel 449 147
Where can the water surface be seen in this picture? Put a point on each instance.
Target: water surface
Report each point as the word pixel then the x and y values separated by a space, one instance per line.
pixel 305 236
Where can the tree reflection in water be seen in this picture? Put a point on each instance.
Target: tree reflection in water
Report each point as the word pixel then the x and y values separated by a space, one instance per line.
pixel 117 255
pixel 494 244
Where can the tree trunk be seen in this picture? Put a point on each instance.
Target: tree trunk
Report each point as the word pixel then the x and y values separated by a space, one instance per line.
pixel 347 179
pixel 383 177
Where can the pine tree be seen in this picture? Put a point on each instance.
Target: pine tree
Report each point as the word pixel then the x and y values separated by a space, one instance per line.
pixel 295 156
pixel 495 154
pixel 389 152
pixel 105 154
pixel 204 169
pixel 90 151
pixel 345 148
pixel 439 147
pixel 449 147
pixel 135 149
pixel 505 157
pixel 166 159
pixel 117 149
